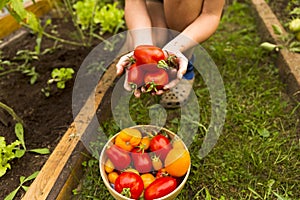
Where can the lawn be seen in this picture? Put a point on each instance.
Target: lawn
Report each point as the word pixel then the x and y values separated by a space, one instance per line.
pixel 257 154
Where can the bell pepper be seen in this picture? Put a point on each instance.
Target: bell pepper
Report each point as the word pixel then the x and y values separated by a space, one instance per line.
pixel 128 138
pixel 120 158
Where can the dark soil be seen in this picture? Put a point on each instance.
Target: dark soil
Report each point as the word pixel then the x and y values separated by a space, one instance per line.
pixel 45 119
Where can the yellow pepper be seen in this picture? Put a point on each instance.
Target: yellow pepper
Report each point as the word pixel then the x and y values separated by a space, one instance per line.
pixel 128 138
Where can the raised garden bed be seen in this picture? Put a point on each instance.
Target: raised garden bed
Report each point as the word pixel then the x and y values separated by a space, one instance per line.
pixel 61 172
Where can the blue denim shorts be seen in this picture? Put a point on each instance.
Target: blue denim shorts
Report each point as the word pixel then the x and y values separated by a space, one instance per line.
pixel 190 69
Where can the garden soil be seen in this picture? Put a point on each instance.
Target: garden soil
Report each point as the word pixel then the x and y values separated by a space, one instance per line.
pixel 45 118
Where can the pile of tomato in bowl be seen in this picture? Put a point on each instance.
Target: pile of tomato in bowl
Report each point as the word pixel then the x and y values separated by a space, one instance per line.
pixel 145 162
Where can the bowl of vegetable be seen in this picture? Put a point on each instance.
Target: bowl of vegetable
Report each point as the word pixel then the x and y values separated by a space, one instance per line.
pixel 146 162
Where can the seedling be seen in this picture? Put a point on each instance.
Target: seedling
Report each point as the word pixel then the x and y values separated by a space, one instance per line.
pixel 23 180
pixel 60 77
pixel 17 148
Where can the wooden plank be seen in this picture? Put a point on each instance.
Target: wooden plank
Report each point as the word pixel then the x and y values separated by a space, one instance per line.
pixel 8 24
pixel 43 185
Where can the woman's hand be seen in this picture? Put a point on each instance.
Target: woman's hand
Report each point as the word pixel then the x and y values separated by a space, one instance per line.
pixel 124 61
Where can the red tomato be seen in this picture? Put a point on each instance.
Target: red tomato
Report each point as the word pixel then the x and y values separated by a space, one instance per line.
pixel 135 76
pixel 146 54
pixel 152 67
pixel 130 185
pixel 156 80
pixel 160 187
pixel 120 158
pixel 141 160
pixel 160 145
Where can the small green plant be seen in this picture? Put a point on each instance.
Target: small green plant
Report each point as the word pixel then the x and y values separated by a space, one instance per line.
pixel 8 153
pixel 60 77
pixel 89 13
pixel 17 148
pixel 111 18
pixel 24 56
pixel 23 180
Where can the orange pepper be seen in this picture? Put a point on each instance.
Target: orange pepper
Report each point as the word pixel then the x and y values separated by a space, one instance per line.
pixel 145 143
pixel 128 138
pixel 147 179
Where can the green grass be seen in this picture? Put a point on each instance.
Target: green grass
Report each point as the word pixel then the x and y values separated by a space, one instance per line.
pixel 257 156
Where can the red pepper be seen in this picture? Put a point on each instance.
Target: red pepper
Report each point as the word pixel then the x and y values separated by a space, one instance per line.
pixel 120 158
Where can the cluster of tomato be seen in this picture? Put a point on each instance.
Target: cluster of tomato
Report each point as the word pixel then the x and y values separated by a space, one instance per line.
pixel 140 163
pixel 151 68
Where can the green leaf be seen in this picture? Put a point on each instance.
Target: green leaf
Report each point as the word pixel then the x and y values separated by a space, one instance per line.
pixel 263 132
pixel 40 151
pixel 3 168
pixel 3 3
pixel 22 178
pixel 32 176
pixel 19 130
pixel 12 195
pixel 295 11
pixel 25 188
pixel 110 17
pixel 277 30
pixel 60 84
pixel 20 153
pixel 33 22
pixel 207 195
pixel 18 7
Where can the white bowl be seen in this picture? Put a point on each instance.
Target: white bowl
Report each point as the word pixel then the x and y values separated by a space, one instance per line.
pixel 117 195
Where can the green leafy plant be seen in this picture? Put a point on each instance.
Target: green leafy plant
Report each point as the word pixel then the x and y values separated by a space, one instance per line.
pixel 60 77
pixel 90 12
pixel 110 17
pixel 31 21
pixel 24 56
pixel 17 148
pixel 8 153
pixel 23 180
